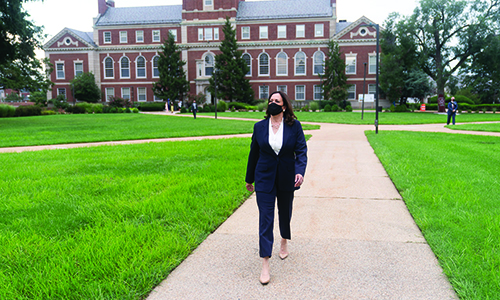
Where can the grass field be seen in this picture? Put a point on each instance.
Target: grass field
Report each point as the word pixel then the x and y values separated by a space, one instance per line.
pixel 59 129
pixel 111 222
pixel 369 117
pixel 451 186
pixel 491 127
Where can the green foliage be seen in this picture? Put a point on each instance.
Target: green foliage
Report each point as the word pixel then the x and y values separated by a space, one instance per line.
pixel 38 97
pixel 119 102
pixel 336 108
pixel 85 88
pixel 28 110
pixel 206 108
pixel 77 109
pixel 261 106
pixel 305 108
pixel 231 70
pixel 327 108
pixel 13 97
pixel 151 106
pixel 7 111
pixel 238 105
pixel 59 102
pixel 183 110
pixel 135 110
pixel 314 106
pixel 348 108
pixel 222 106
pixel 91 107
pixel 172 83
pixel 334 81
pixel 48 112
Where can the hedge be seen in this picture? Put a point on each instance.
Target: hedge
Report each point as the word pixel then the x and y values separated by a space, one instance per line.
pixel 465 107
pixel 31 110
pixel 7 111
pixel 152 106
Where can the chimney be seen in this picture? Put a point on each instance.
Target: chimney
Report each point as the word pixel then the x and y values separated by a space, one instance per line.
pixel 103 5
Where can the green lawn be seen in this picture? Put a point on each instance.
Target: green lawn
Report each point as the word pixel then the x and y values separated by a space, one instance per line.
pixel 60 129
pixel 110 222
pixel 491 127
pixel 368 117
pixel 451 186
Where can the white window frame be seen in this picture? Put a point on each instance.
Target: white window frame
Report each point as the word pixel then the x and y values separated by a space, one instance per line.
pixel 205 66
pixel 296 65
pixel 155 36
pixel 208 34
pixel 124 94
pixel 351 90
pixel 244 32
pixel 63 70
pixel 123 37
pixel 285 65
pixel 108 94
pixel 318 86
pixel 63 93
pixel 300 31
pixel 112 67
pixel 268 65
pixel 104 37
pixel 216 34
pixel 315 63
pixel 372 68
pixel 263 90
pixel 283 88
pixel 142 91
pixel 208 4
pixel 153 68
pixel 137 68
pixel 139 36
pixel 281 32
pixel 348 66
pixel 121 67
pixel 249 65
pixel 297 92
pixel 263 34
pixel 174 33
pixel 74 67
pixel 373 88
pixel 200 34
pixel 319 30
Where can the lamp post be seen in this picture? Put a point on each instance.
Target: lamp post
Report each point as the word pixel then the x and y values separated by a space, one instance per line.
pixel 377 73
pixel 216 73
pixel 364 92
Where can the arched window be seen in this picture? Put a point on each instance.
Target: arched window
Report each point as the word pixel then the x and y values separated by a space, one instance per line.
pixel 140 66
pixel 124 67
pixel 263 64
pixel 108 68
pixel 282 64
pixel 248 60
pixel 209 65
pixel 318 63
pixel 300 63
pixel 156 72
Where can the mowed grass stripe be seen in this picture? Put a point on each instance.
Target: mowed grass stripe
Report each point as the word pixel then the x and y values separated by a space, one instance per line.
pixel 111 222
pixel 450 183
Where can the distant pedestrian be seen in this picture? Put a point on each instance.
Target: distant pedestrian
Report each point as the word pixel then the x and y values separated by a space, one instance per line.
pixel 167 105
pixel 180 105
pixel 194 108
pixel 452 110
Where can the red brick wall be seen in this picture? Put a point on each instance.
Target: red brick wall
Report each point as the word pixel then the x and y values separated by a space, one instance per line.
pixel 132 56
pixel 69 67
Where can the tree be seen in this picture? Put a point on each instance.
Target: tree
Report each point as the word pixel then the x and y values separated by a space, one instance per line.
pixel 27 74
pixel 84 88
pixel 334 80
pixel 446 33
pixel 231 70
pixel 172 83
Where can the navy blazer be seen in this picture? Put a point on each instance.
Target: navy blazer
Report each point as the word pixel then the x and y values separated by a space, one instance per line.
pixel 264 164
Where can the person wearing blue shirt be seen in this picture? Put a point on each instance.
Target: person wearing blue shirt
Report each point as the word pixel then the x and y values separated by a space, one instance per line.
pixel 277 164
pixel 452 110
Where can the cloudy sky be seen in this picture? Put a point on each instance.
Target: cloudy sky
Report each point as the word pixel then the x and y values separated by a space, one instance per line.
pixel 55 15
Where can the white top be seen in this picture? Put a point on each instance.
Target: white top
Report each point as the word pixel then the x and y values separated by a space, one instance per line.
pixel 276 140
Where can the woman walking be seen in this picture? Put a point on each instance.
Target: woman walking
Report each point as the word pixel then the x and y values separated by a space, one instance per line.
pixel 277 164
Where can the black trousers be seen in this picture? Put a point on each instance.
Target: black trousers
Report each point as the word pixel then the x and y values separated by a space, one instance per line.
pixel 266 203
pixel 452 115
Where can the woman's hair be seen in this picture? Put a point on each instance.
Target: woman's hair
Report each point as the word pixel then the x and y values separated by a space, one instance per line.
pixel 288 113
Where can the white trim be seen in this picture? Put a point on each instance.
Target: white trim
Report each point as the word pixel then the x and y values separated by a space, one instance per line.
pixel 137 36
pixel 250 65
pixel 216 34
pixel 353 86
pixel 112 67
pixel 347 66
pixel 104 37
pixel 295 64
pixel 370 56
pixel 242 33
pixel 74 66
pixel 297 86
pixel 126 37
pixel 174 33
pixel 137 67
pixel 121 67
pixel 153 36
pixel 153 67
pixel 278 32
pixel 261 32
pixel 285 90
pixel 201 35
pixel 139 94
pixel 314 92
pixel 286 64
pixel 322 34
pixel 125 88
pixel 314 63
pixel 60 62
pixel 297 31
pixel 268 65
pixel 106 95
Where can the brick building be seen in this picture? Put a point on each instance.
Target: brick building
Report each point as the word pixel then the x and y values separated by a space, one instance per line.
pixel 283 41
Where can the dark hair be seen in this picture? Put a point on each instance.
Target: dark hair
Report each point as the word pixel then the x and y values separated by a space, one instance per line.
pixel 288 113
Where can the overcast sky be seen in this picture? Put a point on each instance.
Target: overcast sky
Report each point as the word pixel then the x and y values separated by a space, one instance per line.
pixel 55 15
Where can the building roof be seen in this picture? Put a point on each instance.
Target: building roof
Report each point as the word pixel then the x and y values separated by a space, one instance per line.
pixel 342 25
pixel 141 15
pixel 284 9
pixel 86 36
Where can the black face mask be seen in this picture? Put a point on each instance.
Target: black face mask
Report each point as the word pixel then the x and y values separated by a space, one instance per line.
pixel 274 109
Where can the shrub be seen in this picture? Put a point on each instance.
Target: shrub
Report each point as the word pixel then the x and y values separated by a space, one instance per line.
pixel 127 110
pixel 305 108
pixel 494 110
pixel 222 106
pixel 233 109
pixel 469 111
pixel 183 110
pixel 401 108
pixel 4 110
pixel 314 106
pixel 392 108
pixel 59 102
pixel 77 109
pixel 348 108
pixel 86 106
pixel 48 112
pixel 97 108
pixel 30 110
pixel 327 108
pixel 237 105
pixel 135 110
pixel 335 107
pixel 13 97
pixel 461 100
pixel 113 110
pixel 120 102
pixel 261 106
pixel 152 106
pixel 484 110
pixel 206 108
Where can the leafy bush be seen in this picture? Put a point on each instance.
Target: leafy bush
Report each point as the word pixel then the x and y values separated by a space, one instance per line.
pixel 261 106
pixel 38 98
pixel 113 110
pixel 151 106
pixel 335 107
pixel 77 109
pixel 48 112
pixel 135 110
pixel 4 110
pixel 13 97
pixel 86 106
pixel 59 102
pixel 238 105
pixel 206 108
pixel 222 106
pixel 305 108
pixel 120 102
pixel 233 109
pixel 183 110
pixel 127 110
pixel 97 108
pixel 494 110
pixel 348 108
pixel 401 108
pixel 327 108
pixel 314 106
pixel 461 99
pixel 30 110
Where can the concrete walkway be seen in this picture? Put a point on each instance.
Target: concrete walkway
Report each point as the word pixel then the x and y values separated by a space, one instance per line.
pixel 352 238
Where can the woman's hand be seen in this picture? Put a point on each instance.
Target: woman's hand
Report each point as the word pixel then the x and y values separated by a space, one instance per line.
pixel 299 179
pixel 249 187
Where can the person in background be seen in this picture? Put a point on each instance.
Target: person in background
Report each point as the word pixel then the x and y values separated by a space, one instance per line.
pixel 277 164
pixel 194 108
pixel 452 110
